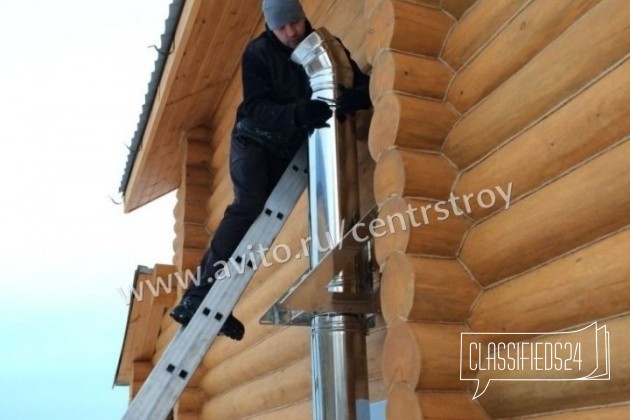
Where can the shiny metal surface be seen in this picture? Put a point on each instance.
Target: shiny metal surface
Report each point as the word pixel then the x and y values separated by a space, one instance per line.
pixel 333 178
pixel 309 295
pixel 343 275
pixel 338 349
pixel 339 367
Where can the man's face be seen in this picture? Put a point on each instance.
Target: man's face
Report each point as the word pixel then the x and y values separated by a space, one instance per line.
pixel 292 33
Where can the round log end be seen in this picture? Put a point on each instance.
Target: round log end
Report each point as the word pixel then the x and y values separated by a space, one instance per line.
pixel 380 30
pixel 383 74
pixel 397 288
pixel 396 239
pixel 401 359
pixel 402 402
pixel 384 125
pixel 389 175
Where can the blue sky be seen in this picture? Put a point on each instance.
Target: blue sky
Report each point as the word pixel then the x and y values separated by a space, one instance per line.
pixel 73 75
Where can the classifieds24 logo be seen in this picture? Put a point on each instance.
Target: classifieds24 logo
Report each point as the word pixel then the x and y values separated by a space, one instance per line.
pixel 583 354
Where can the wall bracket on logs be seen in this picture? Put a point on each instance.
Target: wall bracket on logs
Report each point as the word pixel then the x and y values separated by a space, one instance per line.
pixel 315 293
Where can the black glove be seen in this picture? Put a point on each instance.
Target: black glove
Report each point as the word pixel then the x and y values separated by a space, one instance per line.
pixel 351 100
pixel 312 113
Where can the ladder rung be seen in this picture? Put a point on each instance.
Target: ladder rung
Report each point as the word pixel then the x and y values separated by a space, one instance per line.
pixel 169 377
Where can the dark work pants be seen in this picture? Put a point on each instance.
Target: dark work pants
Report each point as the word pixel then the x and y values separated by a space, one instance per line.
pixel 255 172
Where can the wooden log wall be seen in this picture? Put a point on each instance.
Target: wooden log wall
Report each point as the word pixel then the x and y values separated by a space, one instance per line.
pixel 527 92
pixel 191 237
pixel 569 62
pixel 403 402
pixel 502 400
pixel 191 240
pixel 467 95
pixel 267 374
pixel 426 293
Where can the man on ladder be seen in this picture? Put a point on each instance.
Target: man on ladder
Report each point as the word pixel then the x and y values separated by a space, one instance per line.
pixel 274 119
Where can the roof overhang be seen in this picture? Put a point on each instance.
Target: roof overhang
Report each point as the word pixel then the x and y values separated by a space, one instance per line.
pixel 145 318
pixel 133 345
pixel 208 40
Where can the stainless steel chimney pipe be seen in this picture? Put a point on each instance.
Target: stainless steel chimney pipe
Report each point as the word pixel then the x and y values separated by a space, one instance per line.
pixel 333 186
pixel 339 367
pixel 338 347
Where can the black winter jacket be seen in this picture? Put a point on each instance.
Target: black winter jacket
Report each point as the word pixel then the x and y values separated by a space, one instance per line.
pixel 272 85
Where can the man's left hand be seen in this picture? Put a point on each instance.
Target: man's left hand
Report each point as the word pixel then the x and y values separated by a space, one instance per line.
pixel 351 100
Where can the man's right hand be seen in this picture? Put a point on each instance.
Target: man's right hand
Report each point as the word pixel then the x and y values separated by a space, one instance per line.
pixel 312 113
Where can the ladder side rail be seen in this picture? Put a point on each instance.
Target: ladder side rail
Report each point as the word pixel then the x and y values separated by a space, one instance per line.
pixel 169 377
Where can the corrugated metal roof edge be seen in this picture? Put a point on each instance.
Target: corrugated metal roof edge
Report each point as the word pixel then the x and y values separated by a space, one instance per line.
pixel 175 12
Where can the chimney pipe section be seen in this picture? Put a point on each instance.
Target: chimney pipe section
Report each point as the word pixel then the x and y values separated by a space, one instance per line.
pixel 338 345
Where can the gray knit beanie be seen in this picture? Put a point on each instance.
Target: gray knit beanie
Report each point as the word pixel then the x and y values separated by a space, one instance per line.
pixel 280 12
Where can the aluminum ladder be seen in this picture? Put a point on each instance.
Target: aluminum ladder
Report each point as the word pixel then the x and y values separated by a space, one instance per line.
pixel 169 377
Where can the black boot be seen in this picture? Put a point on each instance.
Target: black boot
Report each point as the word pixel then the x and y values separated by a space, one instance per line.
pixel 233 328
pixel 183 313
